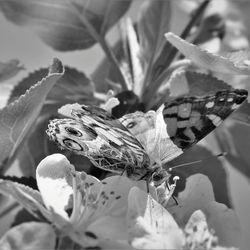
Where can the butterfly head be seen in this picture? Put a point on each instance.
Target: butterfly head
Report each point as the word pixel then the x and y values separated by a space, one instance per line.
pixel 159 176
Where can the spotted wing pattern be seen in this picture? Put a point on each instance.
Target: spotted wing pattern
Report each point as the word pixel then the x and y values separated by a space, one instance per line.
pixel 190 119
pixel 92 132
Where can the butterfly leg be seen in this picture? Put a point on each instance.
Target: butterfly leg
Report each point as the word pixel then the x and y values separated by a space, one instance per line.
pixel 169 188
pixel 165 192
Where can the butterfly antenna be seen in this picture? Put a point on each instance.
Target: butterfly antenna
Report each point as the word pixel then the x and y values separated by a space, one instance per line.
pixel 198 161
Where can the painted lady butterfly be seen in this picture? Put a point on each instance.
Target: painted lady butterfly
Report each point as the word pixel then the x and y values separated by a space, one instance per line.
pixel 139 143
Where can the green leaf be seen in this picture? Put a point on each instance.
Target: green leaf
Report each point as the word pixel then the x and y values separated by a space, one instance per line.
pixel 189 83
pixel 8 210
pixel 31 235
pixel 17 119
pixel 111 12
pixel 105 73
pixel 153 22
pixel 72 87
pixel 234 139
pixel 195 84
pixel 30 199
pixel 134 59
pixel 9 69
pixel 58 26
pixel 243 114
pixel 208 60
pixel 240 193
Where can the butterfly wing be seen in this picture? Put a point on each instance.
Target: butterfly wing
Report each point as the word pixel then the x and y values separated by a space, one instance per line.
pixel 95 134
pixel 180 123
pixel 190 119
pixel 151 131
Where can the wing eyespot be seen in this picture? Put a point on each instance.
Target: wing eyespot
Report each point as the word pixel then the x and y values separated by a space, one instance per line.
pixel 131 124
pixel 73 131
pixel 73 145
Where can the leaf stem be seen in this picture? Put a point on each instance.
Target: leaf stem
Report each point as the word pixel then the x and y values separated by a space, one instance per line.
pixel 103 43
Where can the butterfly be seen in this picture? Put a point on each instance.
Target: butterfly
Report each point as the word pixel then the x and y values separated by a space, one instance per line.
pixel 138 143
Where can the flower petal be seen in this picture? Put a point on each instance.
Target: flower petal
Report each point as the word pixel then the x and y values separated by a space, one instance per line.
pixel 110 227
pixel 197 194
pixel 114 196
pixel 150 225
pixel 54 180
pixel 225 223
pixel 198 235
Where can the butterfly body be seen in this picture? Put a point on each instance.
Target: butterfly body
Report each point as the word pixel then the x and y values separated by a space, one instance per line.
pixel 140 143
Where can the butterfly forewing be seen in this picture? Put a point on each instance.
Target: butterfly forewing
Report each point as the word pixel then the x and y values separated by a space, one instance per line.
pixel 189 119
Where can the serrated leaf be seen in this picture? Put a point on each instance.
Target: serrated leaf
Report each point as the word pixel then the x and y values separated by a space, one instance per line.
pixel 27 181
pixel 30 199
pixel 72 87
pixel 58 25
pixel 206 59
pixel 153 22
pixel 31 235
pixel 195 84
pixel 17 119
pixel 9 69
pixel 240 58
